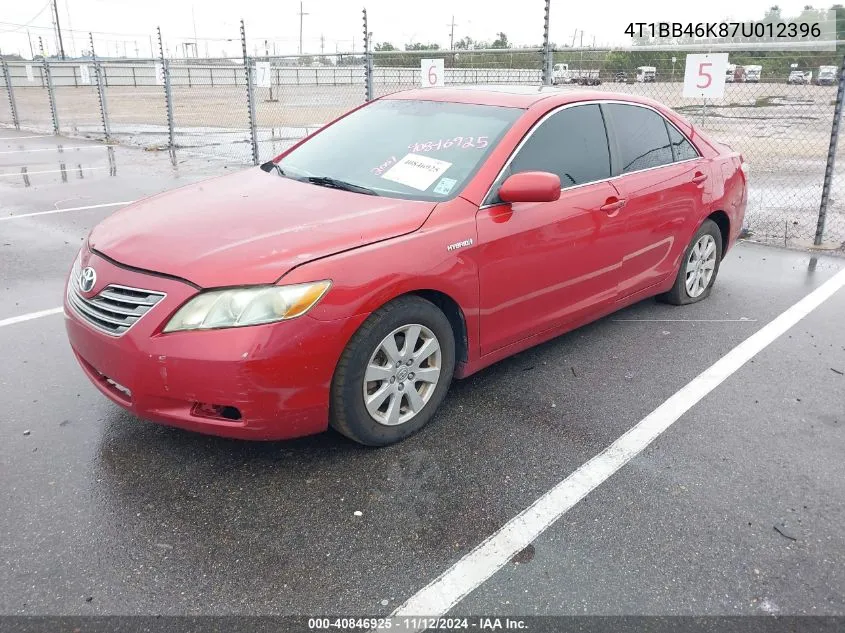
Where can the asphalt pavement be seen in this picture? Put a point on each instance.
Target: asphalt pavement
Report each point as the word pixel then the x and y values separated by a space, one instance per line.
pixel 736 509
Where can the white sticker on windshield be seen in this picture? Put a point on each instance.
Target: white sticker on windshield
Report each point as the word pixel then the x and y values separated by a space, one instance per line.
pixel 445 186
pixel 417 171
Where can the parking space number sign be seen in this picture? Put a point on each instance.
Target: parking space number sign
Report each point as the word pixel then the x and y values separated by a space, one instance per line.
pixel 262 74
pixel 432 73
pixel 705 76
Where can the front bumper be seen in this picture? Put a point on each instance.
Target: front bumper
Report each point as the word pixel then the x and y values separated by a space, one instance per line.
pixel 277 376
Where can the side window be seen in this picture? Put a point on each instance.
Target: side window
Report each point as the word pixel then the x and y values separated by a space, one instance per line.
pixel 681 147
pixel 571 143
pixel 641 137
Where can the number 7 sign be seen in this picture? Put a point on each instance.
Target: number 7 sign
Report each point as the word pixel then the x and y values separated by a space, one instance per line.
pixel 705 76
pixel 262 74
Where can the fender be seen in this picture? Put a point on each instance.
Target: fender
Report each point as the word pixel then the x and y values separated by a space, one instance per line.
pixel 366 278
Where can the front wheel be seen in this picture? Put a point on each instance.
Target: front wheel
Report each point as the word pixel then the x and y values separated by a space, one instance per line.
pixel 699 267
pixel 394 373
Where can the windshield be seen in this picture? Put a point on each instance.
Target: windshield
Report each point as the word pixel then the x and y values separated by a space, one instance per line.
pixel 419 150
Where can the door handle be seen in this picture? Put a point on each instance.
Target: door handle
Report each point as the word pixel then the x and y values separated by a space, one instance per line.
pixel 699 178
pixel 612 205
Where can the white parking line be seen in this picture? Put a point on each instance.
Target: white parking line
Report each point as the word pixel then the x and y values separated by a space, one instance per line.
pixel 18 174
pixel 743 320
pixel 90 206
pixel 15 138
pixel 29 317
pixel 487 558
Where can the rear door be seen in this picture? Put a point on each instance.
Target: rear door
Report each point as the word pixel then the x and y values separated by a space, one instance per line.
pixel 663 180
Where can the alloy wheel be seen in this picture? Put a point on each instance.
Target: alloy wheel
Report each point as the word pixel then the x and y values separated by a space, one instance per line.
pixel 402 374
pixel 700 265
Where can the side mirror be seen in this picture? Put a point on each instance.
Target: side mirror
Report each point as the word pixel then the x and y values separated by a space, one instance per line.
pixel 530 186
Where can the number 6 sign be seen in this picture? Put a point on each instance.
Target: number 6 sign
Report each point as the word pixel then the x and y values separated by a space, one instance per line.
pixel 705 76
pixel 432 73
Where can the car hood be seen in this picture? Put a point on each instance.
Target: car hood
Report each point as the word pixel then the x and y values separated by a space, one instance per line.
pixel 248 228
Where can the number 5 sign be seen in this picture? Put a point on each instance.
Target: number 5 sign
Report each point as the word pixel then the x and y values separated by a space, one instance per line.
pixel 705 75
pixel 432 73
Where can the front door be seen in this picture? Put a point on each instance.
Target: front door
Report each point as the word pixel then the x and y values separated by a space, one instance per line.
pixel 542 265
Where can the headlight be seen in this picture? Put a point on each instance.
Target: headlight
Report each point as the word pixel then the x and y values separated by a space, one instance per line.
pixel 238 307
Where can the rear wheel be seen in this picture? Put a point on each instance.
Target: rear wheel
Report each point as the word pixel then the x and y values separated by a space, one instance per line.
pixel 394 373
pixel 699 267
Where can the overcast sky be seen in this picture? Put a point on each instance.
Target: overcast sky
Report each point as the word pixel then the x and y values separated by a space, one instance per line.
pixel 122 23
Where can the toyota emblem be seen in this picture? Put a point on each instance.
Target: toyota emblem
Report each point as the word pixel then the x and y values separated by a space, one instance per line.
pixel 87 279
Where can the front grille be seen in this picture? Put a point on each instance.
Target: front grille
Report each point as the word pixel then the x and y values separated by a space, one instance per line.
pixel 115 309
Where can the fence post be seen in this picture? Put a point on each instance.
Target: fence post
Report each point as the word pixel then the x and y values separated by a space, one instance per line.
pixel 831 155
pixel 101 91
pixel 368 62
pixel 250 97
pixel 547 51
pixel 168 96
pixel 52 96
pixel 13 106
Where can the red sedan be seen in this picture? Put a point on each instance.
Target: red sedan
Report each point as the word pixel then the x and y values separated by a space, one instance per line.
pixel 420 237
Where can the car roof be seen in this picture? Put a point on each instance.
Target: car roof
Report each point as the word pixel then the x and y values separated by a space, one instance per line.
pixel 514 96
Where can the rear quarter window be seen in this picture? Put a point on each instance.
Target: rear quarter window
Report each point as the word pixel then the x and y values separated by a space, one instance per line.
pixel 681 147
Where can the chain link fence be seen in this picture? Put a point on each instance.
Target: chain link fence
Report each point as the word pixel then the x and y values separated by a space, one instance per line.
pixel 772 111
pixel 781 124
pixel 297 98
pixel 136 105
pixel 32 100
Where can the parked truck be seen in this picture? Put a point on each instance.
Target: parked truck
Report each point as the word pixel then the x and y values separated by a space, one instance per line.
pixel 800 77
pixel 730 73
pixel 826 76
pixel 562 74
pixel 646 74
pixel 752 74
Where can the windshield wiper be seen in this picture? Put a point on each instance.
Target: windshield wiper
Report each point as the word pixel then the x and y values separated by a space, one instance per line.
pixel 326 181
pixel 270 165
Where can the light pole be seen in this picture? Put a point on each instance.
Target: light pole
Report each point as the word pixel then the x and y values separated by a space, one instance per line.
pixel 452 35
pixel 581 46
pixel 301 15
pixel 58 30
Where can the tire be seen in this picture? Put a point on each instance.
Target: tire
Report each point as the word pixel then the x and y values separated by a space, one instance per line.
pixel 680 294
pixel 348 411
